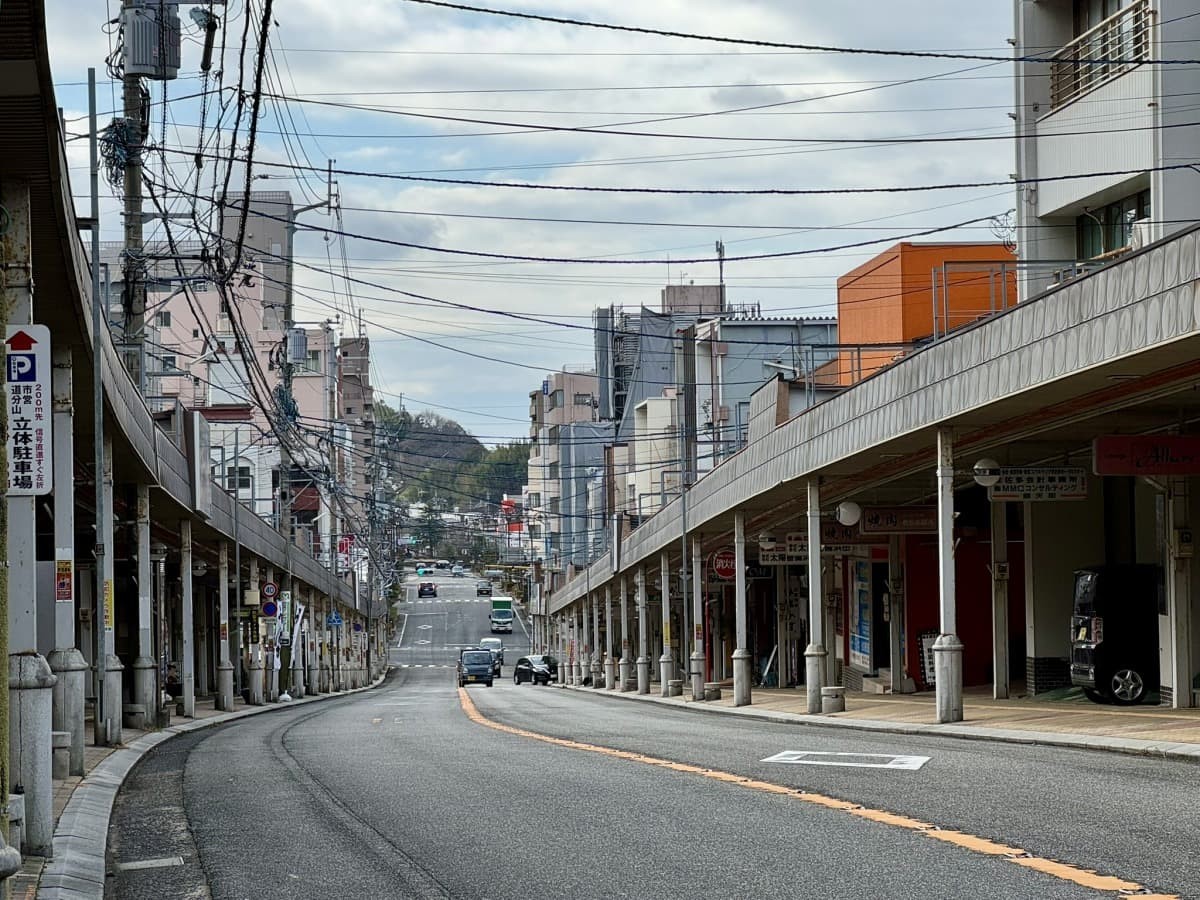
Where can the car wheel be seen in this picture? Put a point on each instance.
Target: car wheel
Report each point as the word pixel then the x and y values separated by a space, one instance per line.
pixel 1126 686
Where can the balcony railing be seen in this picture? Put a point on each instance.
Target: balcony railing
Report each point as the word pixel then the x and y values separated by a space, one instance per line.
pixel 1119 43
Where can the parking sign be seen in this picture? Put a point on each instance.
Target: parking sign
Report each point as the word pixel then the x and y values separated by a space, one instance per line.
pixel 28 393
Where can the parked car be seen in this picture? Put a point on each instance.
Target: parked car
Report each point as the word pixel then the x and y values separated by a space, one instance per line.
pixel 538 668
pixel 427 589
pixel 475 665
pixel 1114 632
pixel 483 589
pixel 497 647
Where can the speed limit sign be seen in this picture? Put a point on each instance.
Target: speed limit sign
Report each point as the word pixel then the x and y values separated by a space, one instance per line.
pixel 270 590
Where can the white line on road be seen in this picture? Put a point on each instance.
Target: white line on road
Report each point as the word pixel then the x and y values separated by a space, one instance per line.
pixel 161 863
pixel 849 760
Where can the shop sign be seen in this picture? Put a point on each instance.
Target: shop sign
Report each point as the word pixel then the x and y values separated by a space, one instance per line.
pixel 899 520
pixel 724 564
pixel 27 379
pixel 64 576
pixel 1146 454
pixel 1041 483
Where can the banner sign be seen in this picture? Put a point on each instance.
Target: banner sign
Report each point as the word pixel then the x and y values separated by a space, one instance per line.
pixel 30 442
pixel 1146 454
pixel 64 576
pixel 1040 483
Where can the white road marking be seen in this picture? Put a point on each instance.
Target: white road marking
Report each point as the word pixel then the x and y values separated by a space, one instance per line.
pixel 849 760
pixel 161 863
pixel 424 642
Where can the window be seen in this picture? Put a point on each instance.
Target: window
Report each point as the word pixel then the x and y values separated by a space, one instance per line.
pixel 556 399
pixel 163 318
pixel 1110 227
pixel 237 478
pixel 535 500
pixel 195 332
pixel 583 399
pixel 349 410
pixel 169 363
pixel 312 363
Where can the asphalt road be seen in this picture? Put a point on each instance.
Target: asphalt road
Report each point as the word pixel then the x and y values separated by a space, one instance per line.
pixel 397 793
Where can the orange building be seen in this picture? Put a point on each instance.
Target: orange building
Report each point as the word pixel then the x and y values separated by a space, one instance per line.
pixel 910 293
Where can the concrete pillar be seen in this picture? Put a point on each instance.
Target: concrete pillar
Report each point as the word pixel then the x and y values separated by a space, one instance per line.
pixel 252 601
pixel 299 641
pixel 203 619
pixel 741 653
pixel 271 660
pixel 643 660
pixel 113 698
pixel 666 661
pixel 947 649
pixel 224 663
pixel 814 654
pixel 697 660
pixel 321 607
pixel 30 685
pixel 163 638
pixel 145 680
pixel 188 663
pixel 585 643
pixel 1000 661
pixel 66 662
pixel 783 628
pixel 625 667
pixel 610 664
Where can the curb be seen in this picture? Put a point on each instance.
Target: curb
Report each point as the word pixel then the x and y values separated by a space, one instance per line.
pixel 1180 752
pixel 77 869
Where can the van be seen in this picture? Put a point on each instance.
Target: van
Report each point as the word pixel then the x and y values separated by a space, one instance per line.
pixel 1114 632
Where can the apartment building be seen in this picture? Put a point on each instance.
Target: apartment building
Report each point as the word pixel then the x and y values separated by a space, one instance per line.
pixel 1102 106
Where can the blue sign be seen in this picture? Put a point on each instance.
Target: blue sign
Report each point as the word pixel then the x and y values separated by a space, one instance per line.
pixel 270 609
pixel 22 367
pixel 334 620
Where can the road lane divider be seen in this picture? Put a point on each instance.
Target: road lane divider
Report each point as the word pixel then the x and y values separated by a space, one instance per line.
pixel 1086 878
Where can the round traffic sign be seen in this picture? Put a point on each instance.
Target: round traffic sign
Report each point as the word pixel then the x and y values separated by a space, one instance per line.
pixel 724 564
pixel 270 590
pixel 270 609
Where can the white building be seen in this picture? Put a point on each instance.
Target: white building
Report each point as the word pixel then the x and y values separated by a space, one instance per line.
pixel 1109 100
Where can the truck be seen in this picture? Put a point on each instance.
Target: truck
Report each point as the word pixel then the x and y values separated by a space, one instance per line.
pixel 502 615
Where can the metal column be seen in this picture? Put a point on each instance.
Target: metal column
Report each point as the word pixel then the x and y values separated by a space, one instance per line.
pixel 145 683
pixel 224 666
pixel 697 623
pixel 625 668
pixel 741 653
pixel 643 660
pixel 66 662
pixel 1000 661
pixel 814 654
pixel 666 662
pixel 188 663
pixel 610 664
pixel 947 649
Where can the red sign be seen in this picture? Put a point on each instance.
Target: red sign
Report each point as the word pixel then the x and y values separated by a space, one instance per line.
pixel 724 564
pixel 1146 454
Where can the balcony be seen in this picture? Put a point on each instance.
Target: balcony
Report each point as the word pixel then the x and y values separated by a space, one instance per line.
pixel 1115 46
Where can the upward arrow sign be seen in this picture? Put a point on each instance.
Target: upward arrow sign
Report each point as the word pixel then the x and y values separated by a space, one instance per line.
pixel 20 342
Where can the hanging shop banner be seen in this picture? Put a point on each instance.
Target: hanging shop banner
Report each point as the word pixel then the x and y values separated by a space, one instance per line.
pixel 1146 454
pixel 1041 483
pixel 898 520
pixel 30 442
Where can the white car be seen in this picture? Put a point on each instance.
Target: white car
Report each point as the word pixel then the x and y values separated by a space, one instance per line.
pixel 457 571
pixel 497 647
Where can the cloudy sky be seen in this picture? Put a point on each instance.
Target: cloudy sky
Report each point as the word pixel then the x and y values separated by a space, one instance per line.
pixel 396 88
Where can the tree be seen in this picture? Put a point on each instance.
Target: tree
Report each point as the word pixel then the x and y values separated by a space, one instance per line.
pixel 430 527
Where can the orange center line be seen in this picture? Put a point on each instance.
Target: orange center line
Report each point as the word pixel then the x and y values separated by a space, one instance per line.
pixel 973 843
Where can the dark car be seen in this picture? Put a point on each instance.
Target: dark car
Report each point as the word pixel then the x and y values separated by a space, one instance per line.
pixel 1114 632
pixel 475 666
pixel 427 589
pixel 538 668
pixel 483 589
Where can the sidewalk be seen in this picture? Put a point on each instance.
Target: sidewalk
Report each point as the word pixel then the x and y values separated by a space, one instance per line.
pixel 83 805
pixel 1069 721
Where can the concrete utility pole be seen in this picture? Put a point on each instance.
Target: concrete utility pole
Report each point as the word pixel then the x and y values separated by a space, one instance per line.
pixel 741 654
pixel 814 653
pixel 666 662
pixel 610 664
pixel 224 666
pixel 145 687
pixel 697 623
pixel 134 112
pixel 947 649
pixel 643 660
pixel 626 664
